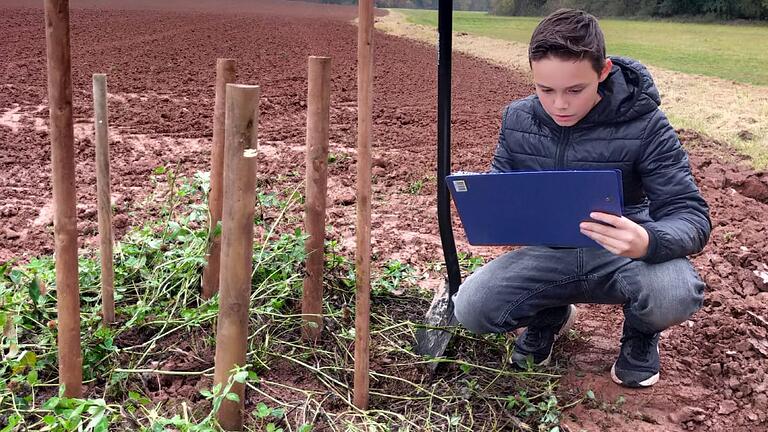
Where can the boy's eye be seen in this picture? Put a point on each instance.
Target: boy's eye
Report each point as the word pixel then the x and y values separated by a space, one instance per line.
pixel 546 90
pixel 576 90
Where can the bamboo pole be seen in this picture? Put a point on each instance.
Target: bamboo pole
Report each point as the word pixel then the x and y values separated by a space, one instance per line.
pixel 318 116
pixel 64 195
pixel 363 228
pixel 101 127
pixel 225 74
pixel 242 116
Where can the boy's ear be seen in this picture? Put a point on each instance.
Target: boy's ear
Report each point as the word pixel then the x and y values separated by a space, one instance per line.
pixel 606 69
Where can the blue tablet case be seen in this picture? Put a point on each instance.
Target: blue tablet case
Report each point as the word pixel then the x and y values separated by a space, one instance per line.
pixel 542 208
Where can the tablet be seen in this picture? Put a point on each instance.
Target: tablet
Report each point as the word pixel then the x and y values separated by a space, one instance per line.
pixel 535 208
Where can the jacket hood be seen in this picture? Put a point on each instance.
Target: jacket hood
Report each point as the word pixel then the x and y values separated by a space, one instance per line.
pixel 627 93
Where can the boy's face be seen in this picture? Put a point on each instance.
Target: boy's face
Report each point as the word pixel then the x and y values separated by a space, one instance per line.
pixel 567 89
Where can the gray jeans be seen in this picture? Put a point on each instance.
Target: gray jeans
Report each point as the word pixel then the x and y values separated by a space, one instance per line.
pixel 535 284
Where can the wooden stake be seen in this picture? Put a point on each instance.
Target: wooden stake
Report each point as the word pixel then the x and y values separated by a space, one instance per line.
pixel 363 228
pixel 318 107
pixel 225 74
pixel 64 195
pixel 103 191
pixel 242 116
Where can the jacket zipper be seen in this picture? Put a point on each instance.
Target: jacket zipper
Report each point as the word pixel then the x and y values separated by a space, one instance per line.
pixel 560 164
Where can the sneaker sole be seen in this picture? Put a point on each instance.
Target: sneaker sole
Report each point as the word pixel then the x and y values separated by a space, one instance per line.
pixel 563 330
pixel 645 383
pixel 568 323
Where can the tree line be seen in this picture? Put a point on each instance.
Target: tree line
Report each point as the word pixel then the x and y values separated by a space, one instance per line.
pixel 471 5
pixel 475 5
pixel 714 9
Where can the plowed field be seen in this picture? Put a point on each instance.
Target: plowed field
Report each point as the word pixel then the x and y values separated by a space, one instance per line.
pixel 160 61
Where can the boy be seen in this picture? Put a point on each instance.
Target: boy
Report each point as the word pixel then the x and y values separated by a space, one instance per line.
pixel 594 112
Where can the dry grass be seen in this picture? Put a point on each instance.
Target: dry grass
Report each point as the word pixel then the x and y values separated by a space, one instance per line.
pixel 725 110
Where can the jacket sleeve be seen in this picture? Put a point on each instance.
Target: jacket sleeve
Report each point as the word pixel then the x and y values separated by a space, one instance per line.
pixel 681 224
pixel 502 160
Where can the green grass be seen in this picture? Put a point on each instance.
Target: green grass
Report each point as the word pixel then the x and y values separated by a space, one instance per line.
pixel 733 52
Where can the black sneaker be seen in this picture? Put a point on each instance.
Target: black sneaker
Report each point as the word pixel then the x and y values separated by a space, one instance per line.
pixel 534 345
pixel 638 362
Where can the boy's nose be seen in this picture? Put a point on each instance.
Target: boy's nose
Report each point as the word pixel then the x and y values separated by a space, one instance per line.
pixel 560 102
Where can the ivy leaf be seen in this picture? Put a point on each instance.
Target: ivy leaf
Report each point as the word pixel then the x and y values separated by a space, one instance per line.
pixel 240 377
pixel 262 410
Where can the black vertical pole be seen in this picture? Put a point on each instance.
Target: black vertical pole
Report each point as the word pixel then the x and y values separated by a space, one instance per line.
pixel 444 29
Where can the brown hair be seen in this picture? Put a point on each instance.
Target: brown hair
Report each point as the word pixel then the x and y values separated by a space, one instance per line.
pixel 569 34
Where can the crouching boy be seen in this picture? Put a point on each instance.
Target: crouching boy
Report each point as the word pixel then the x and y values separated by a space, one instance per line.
pixel 591 111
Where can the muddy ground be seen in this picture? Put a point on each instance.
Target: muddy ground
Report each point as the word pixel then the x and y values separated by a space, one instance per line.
pixel 160 61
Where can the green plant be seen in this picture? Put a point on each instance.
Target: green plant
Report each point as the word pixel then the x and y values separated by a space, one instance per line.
pixel 415 187
pixel 74 414
pixel 395 276
pixel 547 410
pixel 593 401
pixel 263 413
pixel 217 395
pixel 469 263
pixel 337 157
pixel 157 275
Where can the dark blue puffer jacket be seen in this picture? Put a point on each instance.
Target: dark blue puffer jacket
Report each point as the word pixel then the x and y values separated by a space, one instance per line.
pixel 626 131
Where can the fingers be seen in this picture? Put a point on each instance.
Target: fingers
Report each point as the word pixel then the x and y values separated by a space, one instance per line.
pixel 616 227
pixel 616 233
pixel 613 244
pixel 616 221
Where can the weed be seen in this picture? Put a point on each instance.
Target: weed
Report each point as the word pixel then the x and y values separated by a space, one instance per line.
pixel 264 414
pixel 469 263
pixel 395 277
pixel 415 187
pixel 593 401
pixel 161 316
pixel 71 414
pixel 547 409
pixel 337 157
pixel 185 422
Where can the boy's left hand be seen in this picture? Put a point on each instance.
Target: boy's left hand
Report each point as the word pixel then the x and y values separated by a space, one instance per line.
pixel 620 236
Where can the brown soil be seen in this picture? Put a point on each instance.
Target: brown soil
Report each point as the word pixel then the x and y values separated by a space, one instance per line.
pixel 160 64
